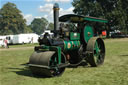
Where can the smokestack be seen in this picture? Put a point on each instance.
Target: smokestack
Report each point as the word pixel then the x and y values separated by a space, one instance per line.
pixel 56 18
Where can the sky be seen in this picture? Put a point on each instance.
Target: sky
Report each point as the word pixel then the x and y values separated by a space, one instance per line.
pixel 40 8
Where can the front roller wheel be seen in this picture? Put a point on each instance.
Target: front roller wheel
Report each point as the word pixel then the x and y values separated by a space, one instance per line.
pixel 57 71
pixel 45 64
pixel 96 51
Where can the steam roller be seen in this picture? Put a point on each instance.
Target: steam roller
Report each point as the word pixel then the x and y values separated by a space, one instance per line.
pixel 73 43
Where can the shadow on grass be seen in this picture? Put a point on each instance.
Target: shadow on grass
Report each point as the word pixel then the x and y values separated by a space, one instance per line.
pixel 124 55
pixel 83 64
pixel 26 72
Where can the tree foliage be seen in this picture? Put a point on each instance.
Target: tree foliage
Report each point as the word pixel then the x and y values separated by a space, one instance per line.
pixel 51 26
pixel 11 20
pixel 115 11
pixel 38 25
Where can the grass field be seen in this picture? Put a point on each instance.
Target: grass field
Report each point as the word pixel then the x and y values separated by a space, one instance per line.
pixel 114 71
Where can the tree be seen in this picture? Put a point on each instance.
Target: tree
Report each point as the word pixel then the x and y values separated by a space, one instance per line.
pixel 11 20
pixel 87 8
pixel 125 8
pixel 28 29
pixel 51 26
pixel 38 25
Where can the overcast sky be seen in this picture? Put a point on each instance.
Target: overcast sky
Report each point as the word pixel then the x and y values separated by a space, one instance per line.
pixel 40 8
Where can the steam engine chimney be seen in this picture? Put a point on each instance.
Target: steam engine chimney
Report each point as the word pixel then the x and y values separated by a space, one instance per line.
pixel 56 18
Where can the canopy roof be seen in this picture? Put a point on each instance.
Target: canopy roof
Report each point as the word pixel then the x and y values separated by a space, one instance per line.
pixel 78 18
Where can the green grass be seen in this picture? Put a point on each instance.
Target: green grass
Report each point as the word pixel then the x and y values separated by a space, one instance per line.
pixel 114 71
pixel 23 45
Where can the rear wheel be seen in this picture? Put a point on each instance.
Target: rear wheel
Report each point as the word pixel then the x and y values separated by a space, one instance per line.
pixel 96 51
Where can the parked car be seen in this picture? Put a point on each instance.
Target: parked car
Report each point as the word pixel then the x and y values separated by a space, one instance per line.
pixel 116 34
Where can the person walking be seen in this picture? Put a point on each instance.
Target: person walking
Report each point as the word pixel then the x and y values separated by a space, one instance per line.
pixel 6 43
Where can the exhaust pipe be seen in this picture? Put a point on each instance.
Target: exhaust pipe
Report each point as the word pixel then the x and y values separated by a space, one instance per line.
pixel 56 19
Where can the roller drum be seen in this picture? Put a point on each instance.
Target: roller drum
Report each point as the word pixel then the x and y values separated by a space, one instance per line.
pixel 41 63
